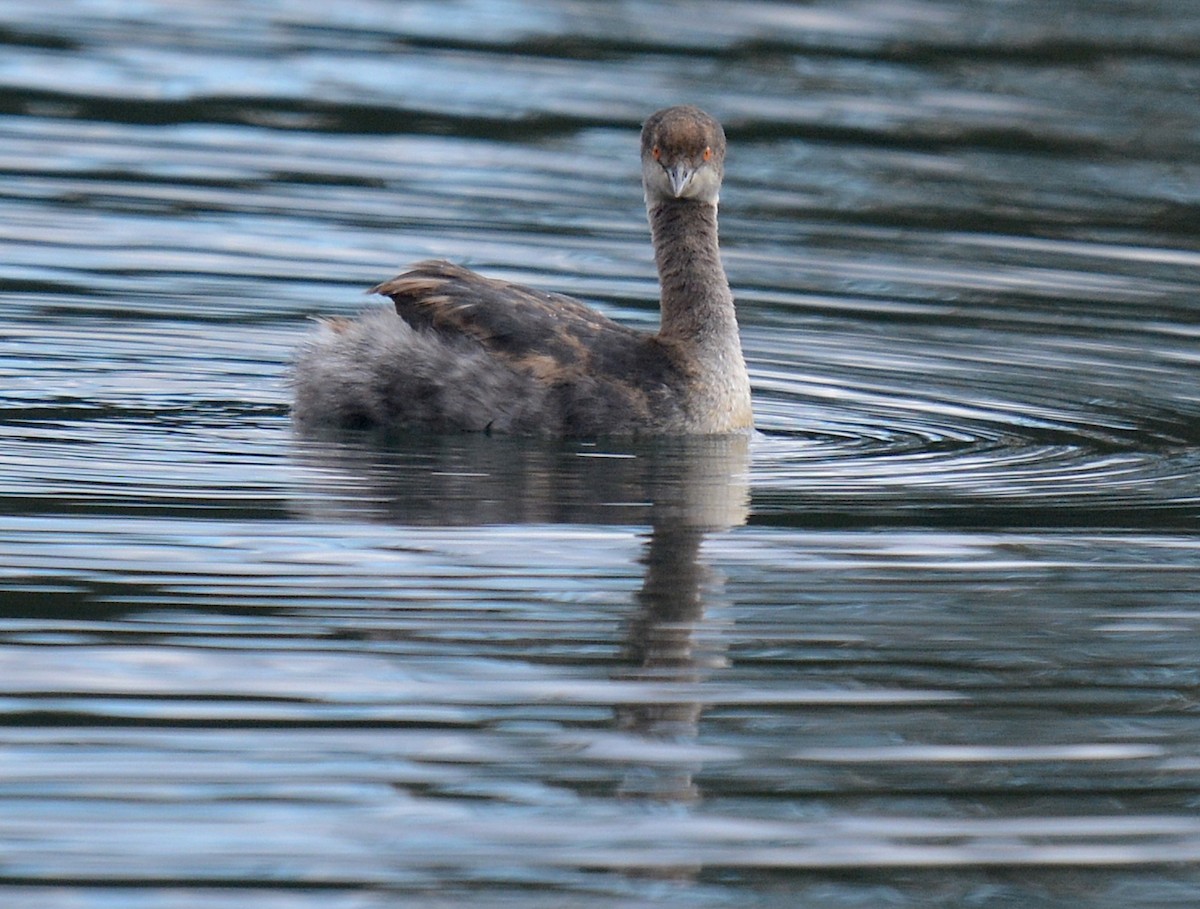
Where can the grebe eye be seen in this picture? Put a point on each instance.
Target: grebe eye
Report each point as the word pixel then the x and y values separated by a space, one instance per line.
pixel 656 153
pixel 707 152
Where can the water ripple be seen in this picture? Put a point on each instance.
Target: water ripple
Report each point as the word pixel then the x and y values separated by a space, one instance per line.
pixel 927 640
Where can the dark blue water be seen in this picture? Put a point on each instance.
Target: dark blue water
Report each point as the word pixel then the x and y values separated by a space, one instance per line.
pixel 928 639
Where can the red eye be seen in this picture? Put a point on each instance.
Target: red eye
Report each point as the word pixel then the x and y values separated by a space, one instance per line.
pixel 707 153
pixel 656 153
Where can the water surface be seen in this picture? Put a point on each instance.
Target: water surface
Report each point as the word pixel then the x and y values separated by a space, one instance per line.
pixel 927 639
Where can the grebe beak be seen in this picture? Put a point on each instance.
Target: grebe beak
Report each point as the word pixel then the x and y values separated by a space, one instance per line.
pixel 680 176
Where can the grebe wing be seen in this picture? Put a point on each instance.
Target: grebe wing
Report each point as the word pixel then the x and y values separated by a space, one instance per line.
pixel 544 332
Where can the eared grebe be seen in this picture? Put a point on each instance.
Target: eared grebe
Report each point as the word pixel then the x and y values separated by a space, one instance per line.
pixel 465 352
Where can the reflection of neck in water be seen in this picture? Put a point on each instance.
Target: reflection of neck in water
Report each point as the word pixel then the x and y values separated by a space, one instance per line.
pixel 661 642
pixel 670 603
pixel 661 645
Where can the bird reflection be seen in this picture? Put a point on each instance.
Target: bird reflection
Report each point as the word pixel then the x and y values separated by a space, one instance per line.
pixel 660 645
pixel 684 490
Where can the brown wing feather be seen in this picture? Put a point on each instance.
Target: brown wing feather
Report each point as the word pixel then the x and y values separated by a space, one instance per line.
pixel 550 335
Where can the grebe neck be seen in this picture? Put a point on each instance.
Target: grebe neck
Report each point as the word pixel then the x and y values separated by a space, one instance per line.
pixel 697 305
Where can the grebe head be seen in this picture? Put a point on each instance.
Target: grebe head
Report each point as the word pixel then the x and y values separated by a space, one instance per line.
pixel 683 155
